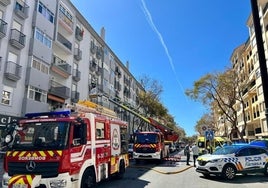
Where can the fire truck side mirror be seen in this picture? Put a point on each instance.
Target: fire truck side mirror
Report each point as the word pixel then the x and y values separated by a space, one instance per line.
pixel 8 138
pixel 9 130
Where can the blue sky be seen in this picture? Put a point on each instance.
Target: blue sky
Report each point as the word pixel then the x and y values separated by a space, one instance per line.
pixel 173 41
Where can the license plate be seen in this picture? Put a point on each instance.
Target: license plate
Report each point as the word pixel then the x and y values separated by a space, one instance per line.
pixel 19 185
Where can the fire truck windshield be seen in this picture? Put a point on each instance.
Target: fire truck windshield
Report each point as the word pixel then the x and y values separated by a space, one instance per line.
pixel 42 135
pixel 147 138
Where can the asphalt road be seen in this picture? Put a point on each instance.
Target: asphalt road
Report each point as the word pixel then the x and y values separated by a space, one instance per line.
pixel 175 174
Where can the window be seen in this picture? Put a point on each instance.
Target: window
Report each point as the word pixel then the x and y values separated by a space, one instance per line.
pixel 244 152
pixel 12 57
pixel 100 130
pixel 16 25
pixel 37 64
pixel 18 6
pixel 6 95
pixel 46 12
pixel 43 38
pixel 37 94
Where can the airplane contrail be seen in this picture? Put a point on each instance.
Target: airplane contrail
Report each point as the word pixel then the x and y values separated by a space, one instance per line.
pixel 154 28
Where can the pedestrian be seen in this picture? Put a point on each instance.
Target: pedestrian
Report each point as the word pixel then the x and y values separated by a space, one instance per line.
pixel 187 153
pixel 195 150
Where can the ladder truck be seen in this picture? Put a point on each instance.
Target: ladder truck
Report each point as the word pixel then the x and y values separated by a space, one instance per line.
pixel 77 147
pixel 153 144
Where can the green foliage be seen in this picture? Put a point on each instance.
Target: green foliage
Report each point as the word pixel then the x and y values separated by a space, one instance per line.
pixel 149 102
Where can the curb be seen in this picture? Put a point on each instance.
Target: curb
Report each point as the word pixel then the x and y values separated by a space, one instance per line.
pixel 163 172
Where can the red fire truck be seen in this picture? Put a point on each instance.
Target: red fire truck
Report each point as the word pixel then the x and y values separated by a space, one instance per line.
pixel 149 145
pixel 152 144
pixel 64 149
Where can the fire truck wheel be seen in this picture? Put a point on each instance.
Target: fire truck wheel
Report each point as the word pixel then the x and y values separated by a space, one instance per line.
pixel 122 170
pixel 88 179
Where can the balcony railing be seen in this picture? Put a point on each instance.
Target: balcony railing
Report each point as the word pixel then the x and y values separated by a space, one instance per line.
pixel 77 54
pixel 13 71
pixel 99 71
pixel 5 2
pixel 64 41
pixel 17 39
pixel 59 90
pixel 66 22
pixel 99 53
pixel 63 65
pixel 3 28
pixel 93 47
pixel 76 75
pixel 79 33
pixel 75 96
pixel 251 133
pixel 92 65
pixel 21 9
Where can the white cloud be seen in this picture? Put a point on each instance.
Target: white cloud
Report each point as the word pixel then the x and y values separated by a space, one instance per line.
pixel 154 28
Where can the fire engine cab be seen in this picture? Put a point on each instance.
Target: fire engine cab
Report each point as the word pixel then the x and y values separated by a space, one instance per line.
pixel 66 149
pixel 153 144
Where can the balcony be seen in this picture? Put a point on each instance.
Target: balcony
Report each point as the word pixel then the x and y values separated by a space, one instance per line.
pixel 75 96
pixel 79 33
pixel 99 53
pixel 93 48
pixel 21 9
pixel 59 90
pixel 67 44
pixel 5 2
pixel 17 39
pixel 65 21
pixel 77 54
pixel 99 71
pixel 76 75
pixel 92 65
pixel 265 12
pixel 61 67
pixel 13 71
pixel 3 28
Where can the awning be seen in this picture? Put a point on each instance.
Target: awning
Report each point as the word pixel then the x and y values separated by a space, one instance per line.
pixel 54 98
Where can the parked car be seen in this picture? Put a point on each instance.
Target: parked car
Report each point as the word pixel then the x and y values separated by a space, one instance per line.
pixel 130 150
pixel 234 159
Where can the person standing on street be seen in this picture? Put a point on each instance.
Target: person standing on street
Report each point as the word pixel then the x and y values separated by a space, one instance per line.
pixel 187 153
pixel 195 150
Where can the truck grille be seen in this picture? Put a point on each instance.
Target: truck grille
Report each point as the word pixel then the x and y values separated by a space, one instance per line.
pixel 145 150
pixel 47 170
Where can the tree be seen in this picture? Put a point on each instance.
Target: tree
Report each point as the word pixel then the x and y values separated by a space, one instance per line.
pixel 219 89
pixel 206 120
pixel 149 102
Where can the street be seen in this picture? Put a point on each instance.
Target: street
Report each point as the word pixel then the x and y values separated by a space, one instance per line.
pixel 176 174
pixel 179 175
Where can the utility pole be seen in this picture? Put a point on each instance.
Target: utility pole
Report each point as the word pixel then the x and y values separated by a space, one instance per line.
pixel 261 54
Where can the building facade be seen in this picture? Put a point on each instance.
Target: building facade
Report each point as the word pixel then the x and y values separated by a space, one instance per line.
pixel 245 61
pixel 50 55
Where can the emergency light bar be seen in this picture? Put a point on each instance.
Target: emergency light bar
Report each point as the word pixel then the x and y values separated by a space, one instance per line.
pixel 49 114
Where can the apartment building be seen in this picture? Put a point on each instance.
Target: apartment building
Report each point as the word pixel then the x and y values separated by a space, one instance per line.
pixel 50 55
pixel 245 61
